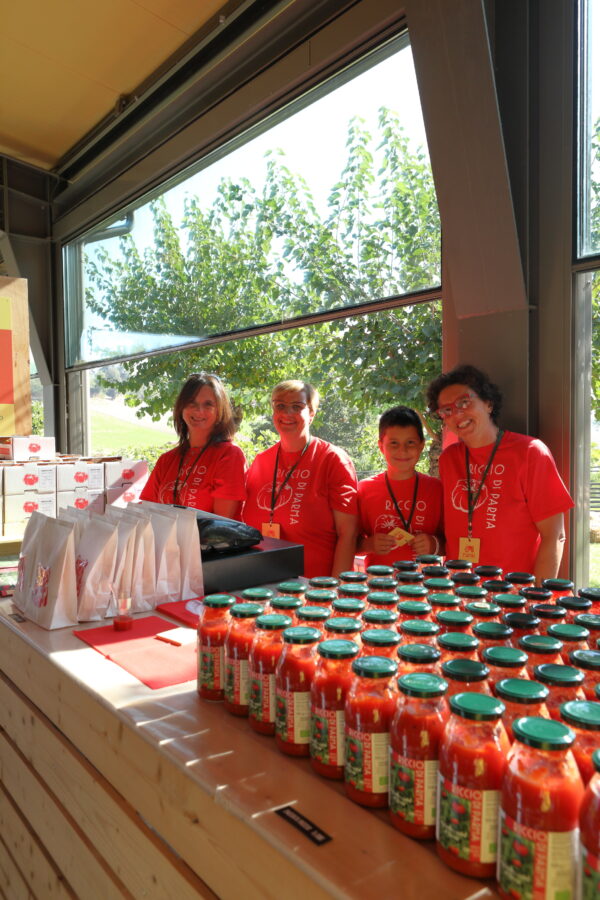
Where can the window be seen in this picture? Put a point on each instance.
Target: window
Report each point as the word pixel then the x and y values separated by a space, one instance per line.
pixel 589 129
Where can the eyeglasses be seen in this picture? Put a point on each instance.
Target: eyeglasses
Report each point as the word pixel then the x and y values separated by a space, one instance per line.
pixel 294 408
pixel 461 403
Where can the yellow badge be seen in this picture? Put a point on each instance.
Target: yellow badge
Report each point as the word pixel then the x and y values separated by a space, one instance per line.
pixel 402 537
pixel 270 529
pixel 468 548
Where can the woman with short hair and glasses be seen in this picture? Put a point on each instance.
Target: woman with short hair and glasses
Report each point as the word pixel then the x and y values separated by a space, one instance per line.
pixel 304 489
pixel 206 470
pixel 504 501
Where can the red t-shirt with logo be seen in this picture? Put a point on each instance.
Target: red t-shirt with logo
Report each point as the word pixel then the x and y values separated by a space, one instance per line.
pixel 522 487
pixel 378 513
pixel 323 481
pixel 219 473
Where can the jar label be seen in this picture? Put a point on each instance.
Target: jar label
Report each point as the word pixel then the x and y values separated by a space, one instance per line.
pixel 327 736
pixel 467 821
pixel 536 864
pixel 236 681
pixel 210 668
pixel 261 701
pixel 413 785
pixel 292 716
pixel 366 766
pixel 590 875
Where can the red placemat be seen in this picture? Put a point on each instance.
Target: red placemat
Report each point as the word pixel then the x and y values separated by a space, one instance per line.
pixel 137 650
pixel 178 609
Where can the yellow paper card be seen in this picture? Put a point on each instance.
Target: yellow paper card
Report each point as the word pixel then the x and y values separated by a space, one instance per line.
pixel 5 315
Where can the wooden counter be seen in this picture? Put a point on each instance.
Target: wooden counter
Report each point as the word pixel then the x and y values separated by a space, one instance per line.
pixel 110 789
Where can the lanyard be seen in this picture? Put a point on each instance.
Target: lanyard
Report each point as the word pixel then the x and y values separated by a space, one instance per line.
pixel 405 522
pixel 276 494
pixel 472 500
pixel 189 471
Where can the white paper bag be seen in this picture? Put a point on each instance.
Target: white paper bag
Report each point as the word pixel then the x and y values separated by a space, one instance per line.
pixel 26 558
pixel 143 574
pixel 166 552
pixel 123 573
pixel 95 556
pixel 188 539
pixel 52 597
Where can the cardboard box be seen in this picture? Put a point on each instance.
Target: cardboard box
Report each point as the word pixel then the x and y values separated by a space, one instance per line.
pixel 30 476
pixel 121 496
pixel 81 498
pixel 123 472
pixel 18 507
pixel 80 474
pixel 19 448
pixel 270 561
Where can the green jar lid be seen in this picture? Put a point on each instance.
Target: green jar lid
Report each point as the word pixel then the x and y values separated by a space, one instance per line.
pixel 389 599
pixel 478 707
pixel 465 670
pixel 380 637
pixel 338 648
pixel 380 571
pixel 521 578
pixel 521 690
pixel 521 620
pixel 540 643
pixel 313 613
pixel 459 565
pixel 589 620
pixel 246 610
pixel 414 608
pixel 418 653
pixel 409 578
pixel 374 666
pixel 301 634
pixel 353 577
pixel 558 584
pixel 343 625
pixel 471 592
pixel 585 659
pixel 548 611
pixel 596 760
pixel 552 673
pixel 412 591
pixel 434 572
pixel 320 596
pixel 405 565
pixel 422 684
pixel 589 593
pixel 219 601
pixel 257 594
pixel 349 605
pixel 496 586
pixel 356 591
pixel 291 587
pixel 380 584
pixel 284 602
pixel 492 631
pixel 448 600
pixel 428 559
pixel 379 616
pixel 509 601
pixel 576 604
pixel 597 690
pixel 438 584
pixel 323 582
pixel 544 734
pixel 419 627
pixel 488 571
pixel 456 618
pixel 464 579
pixel 582 714
pixel 483 608
pixel 569 632
pixel 458 640
pixel 536 595
pixel 505 657
pixel 273 621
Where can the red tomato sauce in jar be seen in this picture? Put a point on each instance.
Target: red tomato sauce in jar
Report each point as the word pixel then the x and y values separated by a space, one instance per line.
pixel 560 587
pixel 466 675
pixel 379 642
pixel 472 764
pixel 540 648
pixel 287 605
pixel 583 717
pixel 380 618
pixel 504 662
pixel 454 644
pixel 418 658
pixel 589 834
pixel 521 697
pixel 589 663
pixel 213 624
pixel 414 609
pixel 418 631
pixel 237 652
pixel 539 812
pixel 492 634
pixel 265 651
pixel 454 620
pixel 415 739
pixel 319 597
pixel 293 679
pixel 331 682
pixel 573 637
pixel 369 710
pixel 563 682
pixel 549 614
pixel 593 596
pixel 382 600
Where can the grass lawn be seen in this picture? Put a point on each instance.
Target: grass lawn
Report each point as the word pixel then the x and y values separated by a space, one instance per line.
pixel 112 434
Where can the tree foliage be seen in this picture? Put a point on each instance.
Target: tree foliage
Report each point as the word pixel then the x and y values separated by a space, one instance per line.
pixel 595 242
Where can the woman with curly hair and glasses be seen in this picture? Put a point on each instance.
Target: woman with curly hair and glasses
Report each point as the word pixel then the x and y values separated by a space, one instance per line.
pixel 504 501
pixel 205 470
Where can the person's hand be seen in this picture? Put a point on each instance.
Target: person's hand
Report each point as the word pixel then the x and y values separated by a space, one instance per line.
pixel 423 544
pixel 383 543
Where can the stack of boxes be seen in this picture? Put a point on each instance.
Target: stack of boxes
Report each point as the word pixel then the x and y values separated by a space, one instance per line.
pixel 32 478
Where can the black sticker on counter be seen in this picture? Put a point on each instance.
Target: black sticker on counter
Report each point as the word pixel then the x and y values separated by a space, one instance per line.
pixel 17 617
pixel 308 828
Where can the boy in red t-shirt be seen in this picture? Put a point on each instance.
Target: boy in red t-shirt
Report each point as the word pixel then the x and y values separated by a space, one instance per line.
pixel 400 510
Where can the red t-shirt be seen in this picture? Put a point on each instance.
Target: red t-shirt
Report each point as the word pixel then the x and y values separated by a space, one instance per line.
pixel 323 481
pixel 378 513
pixel 522 487
pixel 220 472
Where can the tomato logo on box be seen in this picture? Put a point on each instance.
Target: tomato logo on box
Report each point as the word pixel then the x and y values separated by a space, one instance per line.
pixel 128 496
pixel 30 506
pixel 81 503
pixel 127 474
pixel 34 447
pixel 80 477
pixel 30 478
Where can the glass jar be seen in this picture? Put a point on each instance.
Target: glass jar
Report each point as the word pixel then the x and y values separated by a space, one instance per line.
pixel 466 675
pixel 483 611
pixel 518 580
pixel 257 595
pixel 465 579
pixel 319 597
pixel 382 600
pixel 455 644
pixel 533 595
pixel 405 565
pixel 409 579
pixel 418 658
pixel 521 624
pixel 353 577
pixel 593 595
pixel 505 662
pixel 573 637
pixel 575 606
pixel 293 679
pixel 548 614
pixel 380 642
pixel 458 565
pixel 353 592
pixel 563 682
pixel 540 648
pixel 418 631
pixel 415 738
pixel 496 587
pixel 428 559
pixel 589 834
pixel 489 573
pixel 591 621
pixel 287 606
pixel 379 618
pixel 414 609
pixel 412 592
pixel 265 651
pixel 509 602
pixel 343 627
pixel 347 607
pixel 589 663
pixel 292 588
pixel 454 620
pixel 324 583
pixel 472 763
pixel 434 572
pixel 313 616
pixel 331 682
pixel 213 623
pixel 539 812
pixel 560 587
pixel 370 707
pixel 443 601
pixel 382 585
pixel 439 586
pixel 492 634
pixel 583 717
pixel 521 697
pixel 237 651
pixel 379 572
pixel 471 593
